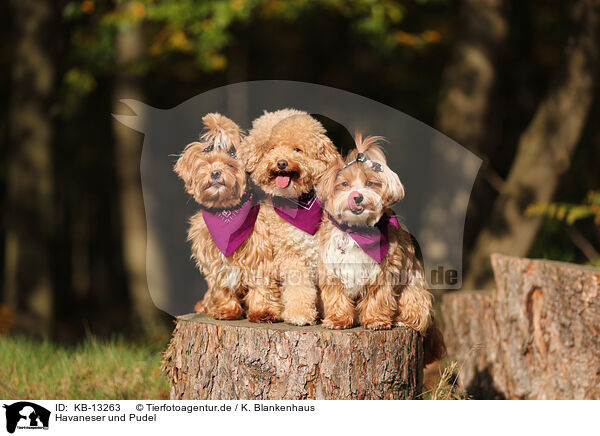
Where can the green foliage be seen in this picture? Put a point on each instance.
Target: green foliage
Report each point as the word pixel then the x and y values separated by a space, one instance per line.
pixel 203 29
pixel 115 369
pixel 568 212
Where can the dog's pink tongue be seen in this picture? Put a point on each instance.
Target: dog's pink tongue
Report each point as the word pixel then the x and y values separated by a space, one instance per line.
pixel 282 181
pixel 352 200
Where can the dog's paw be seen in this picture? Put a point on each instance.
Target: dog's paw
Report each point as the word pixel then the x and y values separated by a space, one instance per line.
pixel 228 312
pixel 376 324
pixel 419 325
pixel 338 323
pixel 300 319
pixel 199 307
pixel 300 311
pixel 263 316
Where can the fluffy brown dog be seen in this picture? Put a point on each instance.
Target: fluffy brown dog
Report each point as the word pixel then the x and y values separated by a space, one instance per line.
pixel 285 152
pixel 229 235
pixel 368 270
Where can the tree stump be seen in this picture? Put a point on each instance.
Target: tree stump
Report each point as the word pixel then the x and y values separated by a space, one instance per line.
pixel 209 359
pixel 536 337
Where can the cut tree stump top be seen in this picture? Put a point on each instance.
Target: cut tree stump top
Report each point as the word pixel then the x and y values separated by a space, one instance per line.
pixel 278 326
pixel 214 359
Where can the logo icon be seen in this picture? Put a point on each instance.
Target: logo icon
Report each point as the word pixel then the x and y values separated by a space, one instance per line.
pixel 26 415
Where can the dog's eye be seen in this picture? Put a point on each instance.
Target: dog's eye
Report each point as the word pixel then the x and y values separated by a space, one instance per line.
pixel 344 183
pixel 368 183
pixel 298 150
pixel 230 166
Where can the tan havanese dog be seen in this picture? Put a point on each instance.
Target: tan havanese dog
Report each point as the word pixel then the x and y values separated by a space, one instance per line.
pixel 285 152
pixel 368 270
pixel 229 235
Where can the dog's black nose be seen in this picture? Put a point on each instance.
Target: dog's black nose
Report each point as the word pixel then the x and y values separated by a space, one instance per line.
pixel 282 164
pixel 358 199
pixel 215 175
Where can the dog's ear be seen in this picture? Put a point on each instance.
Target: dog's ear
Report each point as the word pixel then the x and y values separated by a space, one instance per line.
pixel 325 184
pixel 185 165
pixel 327 150
pixel 250 152
pixel 370 146
pixel 394 189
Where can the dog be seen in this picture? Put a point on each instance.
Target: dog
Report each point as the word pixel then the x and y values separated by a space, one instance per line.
pixel 285 152
pixel 229 235
pixel 368 270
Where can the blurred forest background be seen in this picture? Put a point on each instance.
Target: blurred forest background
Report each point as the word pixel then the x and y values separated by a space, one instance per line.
pixel 514 81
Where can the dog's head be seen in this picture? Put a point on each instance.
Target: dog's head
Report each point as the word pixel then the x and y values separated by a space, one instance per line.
pixel 357 191
pixel 286 151
pixel 210 169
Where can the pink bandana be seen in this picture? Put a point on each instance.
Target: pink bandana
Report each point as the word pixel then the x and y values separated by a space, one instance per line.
pixel 304 213
pixel 230 227
pixel 373 240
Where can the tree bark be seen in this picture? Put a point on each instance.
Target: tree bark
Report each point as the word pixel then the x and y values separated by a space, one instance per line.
pixel 463 112
pixel 29 217
pixel 470 76
pixel 129 50
pixel 544 151
pixel 210 359
pixel 536 337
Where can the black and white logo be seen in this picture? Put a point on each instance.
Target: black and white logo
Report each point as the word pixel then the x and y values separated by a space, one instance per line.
pixel 27 416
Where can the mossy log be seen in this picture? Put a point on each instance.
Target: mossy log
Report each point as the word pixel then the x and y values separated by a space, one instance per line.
pixel 209 359
pixel 536 337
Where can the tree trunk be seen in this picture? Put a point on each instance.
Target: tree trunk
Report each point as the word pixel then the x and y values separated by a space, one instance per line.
pixel 470 76
pixel 536 337
pixel 129 50
pixel 469 330
pixel 463 111
pixel 544 151
pixel 210 359
pixel 28 284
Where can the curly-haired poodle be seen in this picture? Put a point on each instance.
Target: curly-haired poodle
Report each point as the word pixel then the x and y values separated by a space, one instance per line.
pixel 285 152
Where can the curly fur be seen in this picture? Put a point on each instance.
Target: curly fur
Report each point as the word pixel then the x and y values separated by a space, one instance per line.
pixel 298 139
pixel 242 281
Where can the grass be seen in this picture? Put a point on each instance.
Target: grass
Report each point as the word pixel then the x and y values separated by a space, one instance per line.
pixel 447 387
pixel 115 369
pixel 95 369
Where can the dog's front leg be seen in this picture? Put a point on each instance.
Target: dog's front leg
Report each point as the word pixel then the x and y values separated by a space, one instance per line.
pixel 299 292
pixel 415 308
pixel 221 300
pixel 263 300
pixel 338 308
pixel 378 307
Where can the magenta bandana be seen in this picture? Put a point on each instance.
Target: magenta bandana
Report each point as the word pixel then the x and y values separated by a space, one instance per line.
pixel 373 240
pixel 304 213
pixel 230 227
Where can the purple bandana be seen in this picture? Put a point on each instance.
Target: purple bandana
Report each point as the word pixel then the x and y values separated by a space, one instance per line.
pixel 304 213
pixel 373 240
pixel 230 227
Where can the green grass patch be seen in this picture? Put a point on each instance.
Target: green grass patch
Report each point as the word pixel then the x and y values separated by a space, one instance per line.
pixel 95 369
